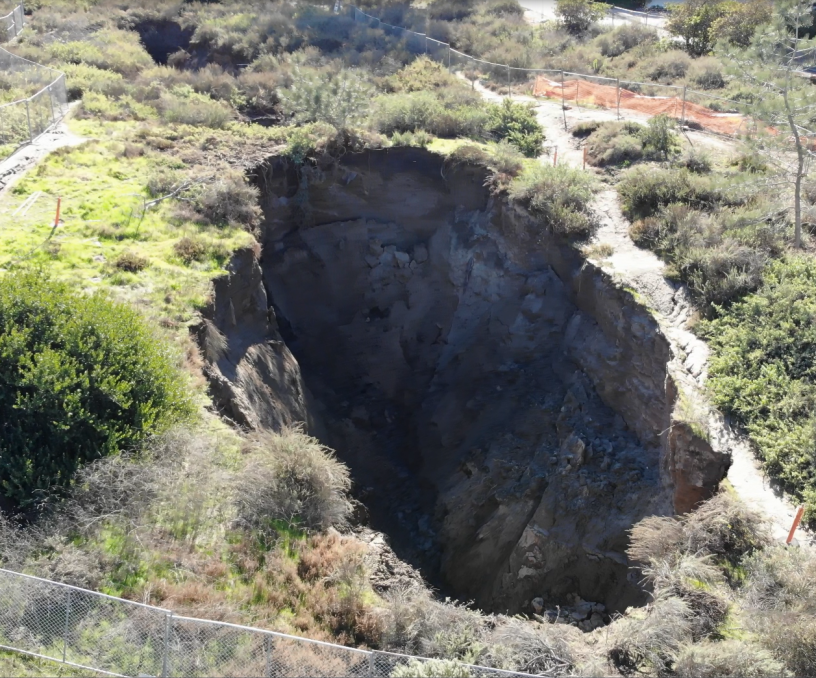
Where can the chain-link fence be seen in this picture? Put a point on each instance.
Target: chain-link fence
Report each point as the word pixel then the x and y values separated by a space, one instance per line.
pixel 12 24
pixel 42 102
pixel 119 637
pixel 628 99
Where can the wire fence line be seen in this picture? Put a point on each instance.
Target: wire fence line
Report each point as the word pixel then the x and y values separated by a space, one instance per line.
pixel 26 118
pixel 12 24
pixel 108 635
pixel 698 109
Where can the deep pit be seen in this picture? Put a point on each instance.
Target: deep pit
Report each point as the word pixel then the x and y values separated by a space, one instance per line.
pixel 504 407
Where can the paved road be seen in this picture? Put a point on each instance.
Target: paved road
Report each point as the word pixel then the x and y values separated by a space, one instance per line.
pixel 544 10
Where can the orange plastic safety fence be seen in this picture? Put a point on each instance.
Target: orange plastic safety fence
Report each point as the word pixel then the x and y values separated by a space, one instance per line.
pixel 606 96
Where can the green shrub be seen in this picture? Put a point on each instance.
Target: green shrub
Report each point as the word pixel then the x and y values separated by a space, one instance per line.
pixel 184 105
pixel 190 249
pixel 696 161
pixel 339 99
pixel 624 38
pixel 560 196
pixel 658 137
pixel 432 668
pixel 707 73
pixel 81 377
pixel 517 124
pixel 415 111
pixel 668 67
pixel 644 191
pixel 578 15
pixel 131 262
pixel 614 143
pixel 763 369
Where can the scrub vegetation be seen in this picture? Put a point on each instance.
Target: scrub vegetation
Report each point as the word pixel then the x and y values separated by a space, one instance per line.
pixel 115 475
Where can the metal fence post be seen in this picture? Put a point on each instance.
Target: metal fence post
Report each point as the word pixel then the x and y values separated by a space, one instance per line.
pixel 51 101
pixel 683 114
pixel 371 666
pixel 563 100
pixel 28 118
pixel 509 87
pixel 268 655
pixel 168 620
pixel 67 624
pixel 449 56
pixel 617 99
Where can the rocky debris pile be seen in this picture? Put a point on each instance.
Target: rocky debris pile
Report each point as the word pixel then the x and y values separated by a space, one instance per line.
pixel 584 614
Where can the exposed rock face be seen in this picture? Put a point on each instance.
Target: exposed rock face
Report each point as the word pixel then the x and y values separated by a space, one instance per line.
pixel 504 406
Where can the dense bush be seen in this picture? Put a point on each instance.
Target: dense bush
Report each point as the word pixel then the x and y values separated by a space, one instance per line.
pixel 414 111
pixel 763 370
pixel 644 191
pixel 518 125
pixel 339 99
pixel 80 378
pixel 624 38
pixel 229 199
pixel 291 480
pixel 560 196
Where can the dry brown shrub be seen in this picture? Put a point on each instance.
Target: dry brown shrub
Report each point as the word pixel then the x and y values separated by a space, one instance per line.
pixel 727 658
pixel 292 479
pixel 651 642
pixel 655 538
pixel 131 262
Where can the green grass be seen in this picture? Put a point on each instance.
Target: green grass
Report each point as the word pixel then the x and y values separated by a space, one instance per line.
pixel 102 194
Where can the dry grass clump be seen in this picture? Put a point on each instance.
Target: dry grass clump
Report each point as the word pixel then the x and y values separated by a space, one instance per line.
pixel 291 479
pixel 650 642
pixel 727 658
pixel 229 199
pixel 190 249
pixel 131 262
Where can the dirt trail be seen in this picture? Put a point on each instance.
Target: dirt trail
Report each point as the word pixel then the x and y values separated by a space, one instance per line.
pixel 643 271
pixel 25 157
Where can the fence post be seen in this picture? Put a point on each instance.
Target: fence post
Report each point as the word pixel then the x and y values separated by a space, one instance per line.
pixel 168 620
pixel 683 114
pixel 28 118
pixel 449 56
pixel 617 99
pixel 426 44
pixel 371 666
pixel 51 101
pixel 268 654
pixel 509 89
pixel 563 101
pixel 67 624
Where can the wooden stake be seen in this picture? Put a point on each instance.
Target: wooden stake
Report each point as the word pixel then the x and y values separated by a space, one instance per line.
pixel 57 218
pixel 798 519
pixel 555 157
pixel 585 156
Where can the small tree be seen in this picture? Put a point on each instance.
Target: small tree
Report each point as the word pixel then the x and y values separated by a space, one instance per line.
pixel 787 101
pixel 340 99
pixel 693 22
pixel 578 15
pixel 517 124
pixel 739 24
